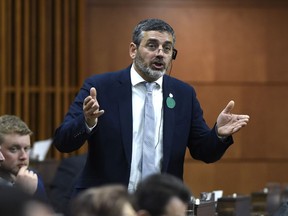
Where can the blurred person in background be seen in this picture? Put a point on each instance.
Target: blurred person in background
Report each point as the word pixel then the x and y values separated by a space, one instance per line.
pixel 162 194
pixel 107 200
pixel 16 202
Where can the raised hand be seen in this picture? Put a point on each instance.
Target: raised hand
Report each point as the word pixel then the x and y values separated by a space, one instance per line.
pixel 228 123
pixel 27 180
pixel 91 108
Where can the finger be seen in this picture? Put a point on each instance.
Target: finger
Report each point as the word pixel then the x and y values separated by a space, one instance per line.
pixel 236 129
pixel 93 93
pixel 22 170
pixel 89 104
pixel 239 125
pixel 31 172
pixel 91 112
pixel 242 122
pixel 87 100
pixel 244 117
pixel 229 107
pixel 98 113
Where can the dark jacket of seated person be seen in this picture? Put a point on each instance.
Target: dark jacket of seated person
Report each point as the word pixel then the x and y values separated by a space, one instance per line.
pixel 39 192
pixel 63 182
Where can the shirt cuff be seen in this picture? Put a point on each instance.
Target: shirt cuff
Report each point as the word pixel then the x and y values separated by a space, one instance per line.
pixel 222 138
pixel 89 129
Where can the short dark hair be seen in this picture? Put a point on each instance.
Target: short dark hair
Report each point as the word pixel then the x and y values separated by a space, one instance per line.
pixel 151 25
pixel 154 193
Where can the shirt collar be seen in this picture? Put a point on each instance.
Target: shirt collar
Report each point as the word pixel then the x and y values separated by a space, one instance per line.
pixel 136 78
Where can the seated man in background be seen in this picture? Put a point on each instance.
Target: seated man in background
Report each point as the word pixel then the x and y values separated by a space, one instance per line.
pixel 15 147
pixel 109 200
pixel 161 194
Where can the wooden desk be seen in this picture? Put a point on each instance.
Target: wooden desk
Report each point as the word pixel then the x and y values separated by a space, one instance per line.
pixel 205 208
pixel 234 206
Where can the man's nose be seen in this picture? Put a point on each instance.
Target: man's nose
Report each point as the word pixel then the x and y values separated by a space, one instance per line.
pixel 2 158
pixel 24 154
pixel 160 50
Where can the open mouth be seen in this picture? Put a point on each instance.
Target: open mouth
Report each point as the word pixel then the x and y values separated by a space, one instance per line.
pixel 158 65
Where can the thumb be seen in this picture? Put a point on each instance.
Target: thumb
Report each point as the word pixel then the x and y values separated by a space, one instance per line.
pixel 22 169
pixel 93 93
pixel 229 107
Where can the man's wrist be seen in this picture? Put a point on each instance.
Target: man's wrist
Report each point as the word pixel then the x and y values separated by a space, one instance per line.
pixel 89 128
pixel 222 138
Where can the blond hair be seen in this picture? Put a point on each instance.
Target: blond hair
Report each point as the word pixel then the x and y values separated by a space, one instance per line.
pixel 11 124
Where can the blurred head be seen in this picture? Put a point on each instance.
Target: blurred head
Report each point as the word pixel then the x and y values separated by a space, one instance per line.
pixel 110 200
pixel 15 144
pixel 151 48
pixel 162 194
pixel 14 202
pixel 38 208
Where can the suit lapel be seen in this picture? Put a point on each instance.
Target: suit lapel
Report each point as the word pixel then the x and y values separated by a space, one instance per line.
pixel 125 112
pixel 168 122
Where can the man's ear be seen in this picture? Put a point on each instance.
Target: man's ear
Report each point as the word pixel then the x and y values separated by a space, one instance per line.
pixel 133 50
pixel 143 213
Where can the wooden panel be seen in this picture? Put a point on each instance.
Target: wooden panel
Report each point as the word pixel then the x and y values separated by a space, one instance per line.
pixel 265 136
pixel 225 42
pixel 40 46
pixel 3 49
pixel 242 177
pixel 26 57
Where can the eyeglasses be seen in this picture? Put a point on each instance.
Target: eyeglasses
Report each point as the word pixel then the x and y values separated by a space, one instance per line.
pixel 153 46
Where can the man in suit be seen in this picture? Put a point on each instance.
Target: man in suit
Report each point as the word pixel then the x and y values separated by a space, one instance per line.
pixel 115 138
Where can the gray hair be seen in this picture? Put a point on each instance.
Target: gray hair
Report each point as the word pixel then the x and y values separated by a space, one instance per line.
pixel 151 25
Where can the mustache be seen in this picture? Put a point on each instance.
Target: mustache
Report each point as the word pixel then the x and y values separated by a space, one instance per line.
pixel 158 61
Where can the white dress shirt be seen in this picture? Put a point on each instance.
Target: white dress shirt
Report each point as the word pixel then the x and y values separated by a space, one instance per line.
pixel 138 100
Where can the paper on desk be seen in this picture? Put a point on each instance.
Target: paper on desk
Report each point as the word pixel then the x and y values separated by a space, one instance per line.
pixel 40 149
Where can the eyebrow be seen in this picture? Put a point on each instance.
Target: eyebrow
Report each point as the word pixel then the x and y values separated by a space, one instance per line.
pixel 155 40
pixel 18 146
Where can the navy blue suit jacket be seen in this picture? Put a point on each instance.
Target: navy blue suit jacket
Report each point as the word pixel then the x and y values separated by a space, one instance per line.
pixel 110 142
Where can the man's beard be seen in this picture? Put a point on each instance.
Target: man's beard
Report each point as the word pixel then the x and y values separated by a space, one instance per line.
pixel 146 70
